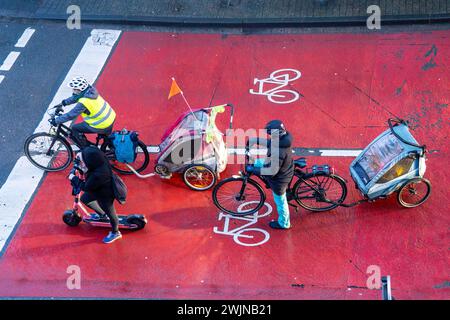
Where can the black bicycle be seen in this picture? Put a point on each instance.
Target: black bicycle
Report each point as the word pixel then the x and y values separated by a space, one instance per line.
pixel 51 151
pixel 315 189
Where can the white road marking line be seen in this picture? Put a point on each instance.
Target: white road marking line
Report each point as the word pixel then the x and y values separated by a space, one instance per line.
pixel 24 178
pixel 340 153
pixel 241 151
pixel 1 78
pixel 9 61
pixel 23 40
pixel 323 152
pixel 15 194
pixel 153 149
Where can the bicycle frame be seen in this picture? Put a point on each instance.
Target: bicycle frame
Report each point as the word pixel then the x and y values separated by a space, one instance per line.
pixel 297 173
pixel 64 132
pixel 61 130
pixel 289 192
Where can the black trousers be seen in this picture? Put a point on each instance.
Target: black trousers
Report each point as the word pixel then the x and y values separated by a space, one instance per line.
pixel 79 129
pixel 102 207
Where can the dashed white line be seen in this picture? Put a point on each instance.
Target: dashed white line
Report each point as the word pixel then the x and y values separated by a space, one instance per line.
pixel 340 153
pixel 9 61
pixel 13 55
pixel 153 149
pixel 23 40
pixel 322 152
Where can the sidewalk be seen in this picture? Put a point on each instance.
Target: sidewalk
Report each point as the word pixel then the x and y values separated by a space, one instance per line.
pixel 241 13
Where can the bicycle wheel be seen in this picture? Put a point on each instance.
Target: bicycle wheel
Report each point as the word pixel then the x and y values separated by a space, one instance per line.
pixel 199 177
pixel 238 196
pixel 48 152
pixel 314 192
pixel 415 192
pixel 139 165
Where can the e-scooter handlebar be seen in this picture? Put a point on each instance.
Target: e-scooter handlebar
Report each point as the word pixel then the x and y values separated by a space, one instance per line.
pixel 76 171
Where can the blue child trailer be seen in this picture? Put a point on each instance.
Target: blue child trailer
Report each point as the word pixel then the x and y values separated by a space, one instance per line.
pixel 394 161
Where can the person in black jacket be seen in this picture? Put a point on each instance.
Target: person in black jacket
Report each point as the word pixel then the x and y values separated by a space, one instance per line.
pixel 98 189
pixel 277 169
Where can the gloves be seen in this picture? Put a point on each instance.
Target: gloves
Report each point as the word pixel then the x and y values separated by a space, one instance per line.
pixel 75 181
pixel 52 122
pixel 249 168
pixel 76 184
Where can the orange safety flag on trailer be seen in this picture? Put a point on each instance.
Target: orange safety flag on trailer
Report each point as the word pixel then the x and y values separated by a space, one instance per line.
pixel 174 89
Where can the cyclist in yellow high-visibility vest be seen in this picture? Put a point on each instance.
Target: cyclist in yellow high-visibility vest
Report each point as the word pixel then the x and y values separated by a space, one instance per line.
pixel 97 114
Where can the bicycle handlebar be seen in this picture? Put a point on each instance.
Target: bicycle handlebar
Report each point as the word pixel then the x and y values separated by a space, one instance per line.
pixel 58 111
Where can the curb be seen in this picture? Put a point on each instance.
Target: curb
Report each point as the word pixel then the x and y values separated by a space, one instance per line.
pixel 242 23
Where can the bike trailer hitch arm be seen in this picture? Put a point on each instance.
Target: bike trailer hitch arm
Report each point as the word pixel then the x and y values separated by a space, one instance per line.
pixel 347 205
pixel 142 176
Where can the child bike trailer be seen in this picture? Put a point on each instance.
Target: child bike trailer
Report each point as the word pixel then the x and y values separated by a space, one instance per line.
pixel 194 147
pixel 393 162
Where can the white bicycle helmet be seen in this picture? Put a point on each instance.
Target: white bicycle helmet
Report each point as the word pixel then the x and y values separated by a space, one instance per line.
pixel 78 83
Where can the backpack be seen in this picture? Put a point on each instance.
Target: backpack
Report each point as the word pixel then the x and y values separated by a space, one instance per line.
pixel 125 145
pixel 119 188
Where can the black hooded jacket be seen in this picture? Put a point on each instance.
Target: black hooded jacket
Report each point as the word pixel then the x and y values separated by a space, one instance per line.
pixel 98 180
pixel 280 179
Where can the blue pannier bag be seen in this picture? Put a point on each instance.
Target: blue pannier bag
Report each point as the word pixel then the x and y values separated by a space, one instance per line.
pixel 125 145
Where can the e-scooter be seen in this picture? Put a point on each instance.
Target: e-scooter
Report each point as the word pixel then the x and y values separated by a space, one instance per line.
pixel 73 217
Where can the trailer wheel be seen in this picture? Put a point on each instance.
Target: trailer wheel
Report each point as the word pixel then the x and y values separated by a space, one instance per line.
pixel 199 177
pixel 414 192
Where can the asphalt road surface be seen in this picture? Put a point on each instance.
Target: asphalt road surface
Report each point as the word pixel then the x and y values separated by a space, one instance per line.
pixel 30 84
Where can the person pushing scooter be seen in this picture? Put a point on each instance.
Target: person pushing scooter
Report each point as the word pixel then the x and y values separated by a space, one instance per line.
pixel 278 175
pixel 98 188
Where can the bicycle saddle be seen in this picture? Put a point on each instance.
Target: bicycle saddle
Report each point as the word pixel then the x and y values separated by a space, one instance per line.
pixel 300 162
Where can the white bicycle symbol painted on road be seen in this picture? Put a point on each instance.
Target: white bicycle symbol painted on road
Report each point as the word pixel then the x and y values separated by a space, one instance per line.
pixel 281 79
pixel 242 232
